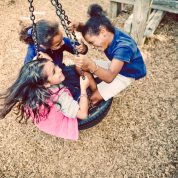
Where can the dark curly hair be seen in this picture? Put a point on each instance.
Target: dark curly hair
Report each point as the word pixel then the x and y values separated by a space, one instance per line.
pixel 27 92
pixel 97 19
pixel 46 30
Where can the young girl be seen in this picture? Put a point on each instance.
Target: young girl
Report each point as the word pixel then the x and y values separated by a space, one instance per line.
pixel 39 94
pixel 125 60
pixel 52 42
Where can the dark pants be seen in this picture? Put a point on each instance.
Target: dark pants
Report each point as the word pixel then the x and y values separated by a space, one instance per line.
pixel 72 80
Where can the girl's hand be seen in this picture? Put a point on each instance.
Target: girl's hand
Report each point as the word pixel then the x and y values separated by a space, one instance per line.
pixel 82 61
pixel 45 55
pixel 84 83
pixel 82 48
pixel 73 26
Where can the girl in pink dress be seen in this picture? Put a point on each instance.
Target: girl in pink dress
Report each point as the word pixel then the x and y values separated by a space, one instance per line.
pixel 38 94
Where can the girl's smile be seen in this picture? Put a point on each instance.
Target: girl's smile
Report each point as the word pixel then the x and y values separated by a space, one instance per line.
pixel 57 41
pixel 53 73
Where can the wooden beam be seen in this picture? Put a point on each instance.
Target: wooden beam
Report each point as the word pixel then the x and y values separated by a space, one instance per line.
pixel 153 23
pixel 115 9
pixel 116 6
pixel 124 1
pixel 141 14
pixel 165 8
pixel 171 3
pixel 164 5
pixel 128 24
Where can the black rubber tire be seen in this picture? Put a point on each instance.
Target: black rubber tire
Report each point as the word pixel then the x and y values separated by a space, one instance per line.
pixel 96 115
pixel 98 112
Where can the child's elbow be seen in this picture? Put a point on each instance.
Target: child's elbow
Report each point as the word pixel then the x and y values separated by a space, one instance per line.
pixel 109 80
pixel 82 116
pixel 111 77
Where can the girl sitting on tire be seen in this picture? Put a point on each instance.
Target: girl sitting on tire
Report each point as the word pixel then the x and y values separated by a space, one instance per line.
pixel 125 63
pixel 38 94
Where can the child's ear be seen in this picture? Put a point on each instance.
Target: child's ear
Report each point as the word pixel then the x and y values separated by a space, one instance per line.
pixel 102 30
pixel 47 85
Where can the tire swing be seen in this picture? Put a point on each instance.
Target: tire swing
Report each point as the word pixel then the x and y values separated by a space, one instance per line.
pixel 97 112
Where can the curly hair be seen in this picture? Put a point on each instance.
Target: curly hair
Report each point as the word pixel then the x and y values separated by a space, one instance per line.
pixel 27 92
pixel 46 30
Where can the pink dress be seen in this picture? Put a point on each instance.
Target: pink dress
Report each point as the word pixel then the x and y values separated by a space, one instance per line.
pixel 55 122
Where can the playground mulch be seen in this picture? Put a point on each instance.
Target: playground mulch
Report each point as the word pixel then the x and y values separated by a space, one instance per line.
pixel 137 139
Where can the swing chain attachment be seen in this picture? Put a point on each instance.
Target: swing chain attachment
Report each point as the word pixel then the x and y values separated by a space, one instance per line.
pixel 34 32
pixel 65 21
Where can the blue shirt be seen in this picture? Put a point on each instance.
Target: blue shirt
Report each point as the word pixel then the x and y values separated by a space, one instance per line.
pixel 56 55
pixel 71 81
pixel 124 48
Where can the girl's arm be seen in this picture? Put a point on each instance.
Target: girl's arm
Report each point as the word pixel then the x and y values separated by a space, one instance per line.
pixel 83 103
pixel 81 47
pixel 76 26
pixel 106 75
pixel 71 108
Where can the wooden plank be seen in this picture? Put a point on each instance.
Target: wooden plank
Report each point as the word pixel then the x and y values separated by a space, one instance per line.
pixel 165 8
pixel 128 24
pixel 141 14
pixel 164 5
pixel 115 8
pixel 153 23
pixel 124 1
pixel 171 3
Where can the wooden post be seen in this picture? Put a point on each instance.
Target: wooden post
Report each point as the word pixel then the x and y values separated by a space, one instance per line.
pixel 140 16
pixel 116 6
pixel 128 24
pixel 115 9
pixel 154 22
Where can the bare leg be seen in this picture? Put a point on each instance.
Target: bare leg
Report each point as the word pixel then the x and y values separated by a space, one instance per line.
pixel 96 97
pixel 92 83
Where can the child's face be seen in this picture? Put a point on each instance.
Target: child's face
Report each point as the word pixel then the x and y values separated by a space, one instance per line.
pixel 54 74
pixel 98 42
pixel 57 41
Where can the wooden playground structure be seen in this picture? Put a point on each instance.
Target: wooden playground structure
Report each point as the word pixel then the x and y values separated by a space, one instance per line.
pixel 146 16
pixel 137 139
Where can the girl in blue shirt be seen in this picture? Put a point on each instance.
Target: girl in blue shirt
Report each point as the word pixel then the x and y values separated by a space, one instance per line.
pixel 125 60
pixel 52 42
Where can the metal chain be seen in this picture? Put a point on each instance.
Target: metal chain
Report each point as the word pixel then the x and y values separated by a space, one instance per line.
pixel 65 21
pixel 34 32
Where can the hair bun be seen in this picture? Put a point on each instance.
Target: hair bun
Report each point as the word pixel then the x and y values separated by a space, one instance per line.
pixel 95 10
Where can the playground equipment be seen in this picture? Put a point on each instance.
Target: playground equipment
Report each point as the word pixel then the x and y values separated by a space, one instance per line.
pixel 96 113
pixel 142 23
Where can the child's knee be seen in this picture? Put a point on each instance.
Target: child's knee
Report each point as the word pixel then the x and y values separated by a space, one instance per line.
pixel 96 97
pixel 78 69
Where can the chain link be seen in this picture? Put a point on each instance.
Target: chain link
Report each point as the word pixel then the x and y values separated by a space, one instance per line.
pixel 34 32
pixel 65 22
